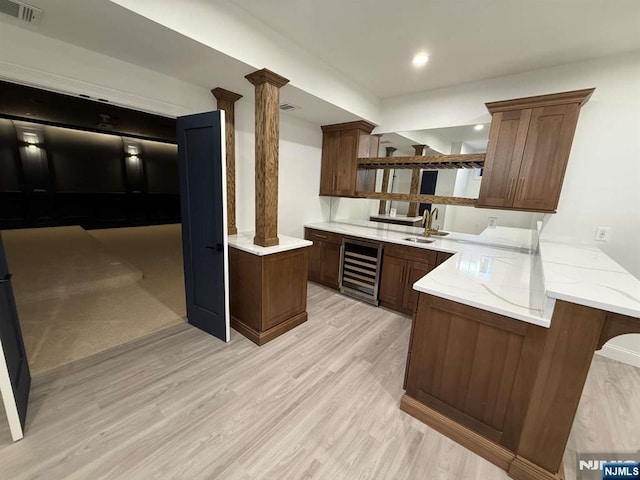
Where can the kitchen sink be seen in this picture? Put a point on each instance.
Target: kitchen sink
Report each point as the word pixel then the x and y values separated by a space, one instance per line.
pixel 419 240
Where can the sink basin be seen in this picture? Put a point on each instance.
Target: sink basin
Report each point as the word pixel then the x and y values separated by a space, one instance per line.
pixel 419 240
pixel 439 234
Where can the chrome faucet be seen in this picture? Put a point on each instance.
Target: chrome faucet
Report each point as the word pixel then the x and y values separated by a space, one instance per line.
pixel 427 222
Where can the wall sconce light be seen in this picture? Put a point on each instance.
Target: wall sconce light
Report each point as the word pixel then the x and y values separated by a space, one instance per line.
pixel 31 140
pixel 132 150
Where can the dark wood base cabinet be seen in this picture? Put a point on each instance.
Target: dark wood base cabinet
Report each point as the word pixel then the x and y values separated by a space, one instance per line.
pixel 505 389
pixel 268 294
pixel 324 257
pixel 401 268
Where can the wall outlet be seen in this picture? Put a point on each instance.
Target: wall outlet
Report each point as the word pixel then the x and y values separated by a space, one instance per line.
pixel 602 234
pixel 493 222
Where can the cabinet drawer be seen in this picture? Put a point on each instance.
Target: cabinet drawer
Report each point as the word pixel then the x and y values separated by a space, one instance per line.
pixel 411 253
pixel 322 236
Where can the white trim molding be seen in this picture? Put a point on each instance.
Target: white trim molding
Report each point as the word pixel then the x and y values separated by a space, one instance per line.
pixel 9 399
pixel 621 354
pixel 70 86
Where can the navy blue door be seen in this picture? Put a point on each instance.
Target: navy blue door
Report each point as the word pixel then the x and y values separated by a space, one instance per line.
pixel 15 378
pixel 427 187
pixel 204 224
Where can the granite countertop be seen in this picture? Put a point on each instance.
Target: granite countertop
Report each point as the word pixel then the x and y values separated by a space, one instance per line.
pixel 244 242
pixel 502 270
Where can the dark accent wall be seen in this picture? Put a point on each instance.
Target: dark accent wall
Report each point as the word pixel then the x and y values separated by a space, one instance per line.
pixel 85 162
pixel 73 177
pixel 12 199
pixel 10 177
pixel 161 163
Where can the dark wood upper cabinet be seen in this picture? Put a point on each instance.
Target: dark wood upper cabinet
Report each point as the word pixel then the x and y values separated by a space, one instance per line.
pixel 528 150
pixel 342 144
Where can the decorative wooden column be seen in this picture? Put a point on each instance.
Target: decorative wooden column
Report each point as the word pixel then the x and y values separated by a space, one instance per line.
pixel 415 182
pixel 382 209
pixel 268 86
pixel 226 101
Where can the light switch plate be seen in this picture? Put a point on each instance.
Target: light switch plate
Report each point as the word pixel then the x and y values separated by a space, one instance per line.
pixel 493 222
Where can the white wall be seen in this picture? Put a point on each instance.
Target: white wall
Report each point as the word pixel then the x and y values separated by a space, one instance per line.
pixel 602 178
pixel 45 62
pixel 400 183
pixel 353 208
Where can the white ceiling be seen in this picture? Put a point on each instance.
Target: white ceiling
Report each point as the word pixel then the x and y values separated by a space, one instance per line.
pixel 475 140
pixel 373 42
pixel 403 144
pixel 443 138
pixel 109 29
pixel 370 43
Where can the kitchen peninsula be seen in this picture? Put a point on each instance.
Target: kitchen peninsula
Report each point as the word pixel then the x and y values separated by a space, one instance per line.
pixel 502 338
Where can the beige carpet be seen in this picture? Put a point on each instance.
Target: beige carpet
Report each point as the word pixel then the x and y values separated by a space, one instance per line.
pixel 157 252
pixel 79 294
pixel 52 263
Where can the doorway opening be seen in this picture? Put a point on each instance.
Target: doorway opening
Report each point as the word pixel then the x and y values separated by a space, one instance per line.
pixel 92 235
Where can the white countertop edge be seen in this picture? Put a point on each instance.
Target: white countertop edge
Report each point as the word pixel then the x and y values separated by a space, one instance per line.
pixel 587 302
pixel 533 319
pixel 244 242
pixel 453 245
pixel 435 245
pixel 554 288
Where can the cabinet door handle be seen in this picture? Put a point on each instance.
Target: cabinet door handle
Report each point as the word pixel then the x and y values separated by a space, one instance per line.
pixel 512 182
pixel 335 182
pixel 402 275
pixel 520 188
pixel 321 236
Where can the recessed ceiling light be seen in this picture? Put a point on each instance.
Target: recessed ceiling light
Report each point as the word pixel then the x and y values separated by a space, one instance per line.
pixel 478 127
pixel 420 60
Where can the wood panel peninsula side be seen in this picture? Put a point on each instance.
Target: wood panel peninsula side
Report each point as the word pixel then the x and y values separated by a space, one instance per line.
pixel 506 389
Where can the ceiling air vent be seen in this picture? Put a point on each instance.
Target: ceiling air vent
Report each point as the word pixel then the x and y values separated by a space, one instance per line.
pixel 287 107
pixel 21 11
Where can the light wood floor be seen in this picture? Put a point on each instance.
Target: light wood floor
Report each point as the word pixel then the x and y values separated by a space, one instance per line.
pixel 321 402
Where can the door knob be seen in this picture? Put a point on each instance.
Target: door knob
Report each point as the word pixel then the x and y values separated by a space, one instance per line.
pixel 6 278
pixel 218 247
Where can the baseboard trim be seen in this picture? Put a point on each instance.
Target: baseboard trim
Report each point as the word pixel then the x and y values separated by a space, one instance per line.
pixel 517 467
pixel 523 469
pixel 621 354
pixel 260 338
pixel 487 449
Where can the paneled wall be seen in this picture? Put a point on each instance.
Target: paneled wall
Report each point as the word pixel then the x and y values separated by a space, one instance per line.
pixel 59 176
